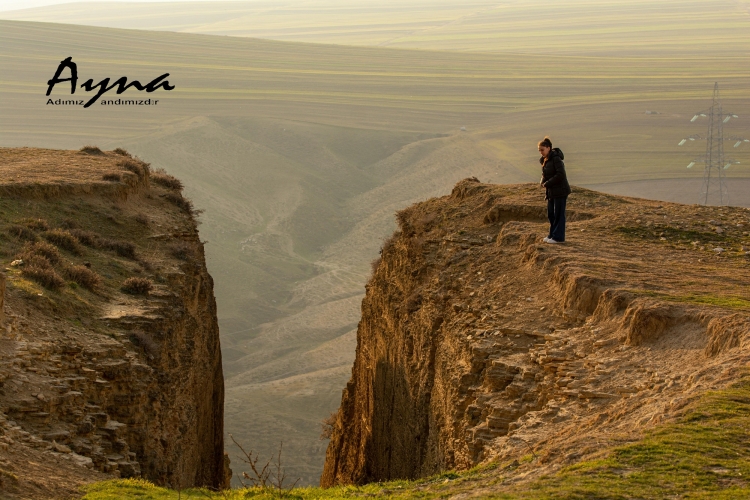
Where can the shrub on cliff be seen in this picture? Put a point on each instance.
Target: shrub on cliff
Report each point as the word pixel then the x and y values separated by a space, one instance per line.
pixel 121 152
pixel 327 425
pixel 22 232
pixel 137 286
pixel 139 168
pixel 163 179
pixel 88 238
pixel 182 250
pixel 39 269
pixel 69 224
pixel 120 247
pixel 389 242
pixel 91 150
pixel 83 276
pixel 41 248
pixel 177 199
pixel 36 224
pixel 63 239
pixel 93 240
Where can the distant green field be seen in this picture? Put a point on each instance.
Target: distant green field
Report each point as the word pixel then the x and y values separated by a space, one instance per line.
pixel 301 153
pixel 575 27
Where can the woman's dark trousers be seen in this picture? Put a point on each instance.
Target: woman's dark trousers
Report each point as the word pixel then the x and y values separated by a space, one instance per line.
pixel 556 216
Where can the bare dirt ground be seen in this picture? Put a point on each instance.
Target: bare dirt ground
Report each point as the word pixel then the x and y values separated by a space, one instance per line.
pixel 20 166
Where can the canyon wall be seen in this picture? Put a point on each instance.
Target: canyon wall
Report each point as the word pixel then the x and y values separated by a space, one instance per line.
pixel 97 375
pixel 478 342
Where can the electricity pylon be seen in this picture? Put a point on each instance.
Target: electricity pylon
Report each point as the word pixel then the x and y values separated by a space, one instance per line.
pixel 714 160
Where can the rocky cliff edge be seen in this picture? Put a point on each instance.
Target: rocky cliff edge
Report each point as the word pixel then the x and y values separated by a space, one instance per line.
pixel 478 342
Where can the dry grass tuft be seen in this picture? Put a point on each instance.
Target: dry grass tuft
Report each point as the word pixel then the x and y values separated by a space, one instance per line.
pixel 177 199
pixel 37 261
pixel 139 168
pixel 93 240
pixel 137 286
pixel 64 239
pixel 163 179
pixel 39 269
pixel 121 248
pixel 42 248
pixel 122 152
pixel 22 232
pixel 83 276
pixel 36 224
pixel 88 238
pixel 182 250
pixel 112 177
pixel 69 224
pixel 91 150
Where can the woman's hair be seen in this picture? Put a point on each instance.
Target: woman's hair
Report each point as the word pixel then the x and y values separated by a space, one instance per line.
pixel 546 142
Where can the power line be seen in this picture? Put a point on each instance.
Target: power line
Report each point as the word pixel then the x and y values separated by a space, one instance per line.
pixel 715 163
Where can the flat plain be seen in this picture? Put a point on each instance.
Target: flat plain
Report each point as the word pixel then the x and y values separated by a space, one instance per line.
pixel 300 153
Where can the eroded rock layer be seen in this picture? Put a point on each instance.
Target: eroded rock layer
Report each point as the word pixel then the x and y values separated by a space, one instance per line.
pixel 479 342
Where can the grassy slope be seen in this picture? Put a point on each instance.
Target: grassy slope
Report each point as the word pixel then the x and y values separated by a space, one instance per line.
pixel 301 153
pixel 704 454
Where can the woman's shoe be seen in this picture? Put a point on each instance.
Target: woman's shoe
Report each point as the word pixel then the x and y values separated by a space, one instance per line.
pixel 546 239
pixel 550 240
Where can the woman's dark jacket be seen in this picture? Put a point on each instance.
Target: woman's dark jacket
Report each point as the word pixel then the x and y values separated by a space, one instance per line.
pixel 553 175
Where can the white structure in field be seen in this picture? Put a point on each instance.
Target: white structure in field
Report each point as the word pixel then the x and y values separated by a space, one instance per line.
pixel 714 184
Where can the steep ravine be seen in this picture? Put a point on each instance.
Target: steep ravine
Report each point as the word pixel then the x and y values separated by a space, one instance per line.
pixel 478 342
pixel 97 382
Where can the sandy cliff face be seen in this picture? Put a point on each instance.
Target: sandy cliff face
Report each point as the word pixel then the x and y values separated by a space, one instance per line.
pixel 99 380
pixel 478 342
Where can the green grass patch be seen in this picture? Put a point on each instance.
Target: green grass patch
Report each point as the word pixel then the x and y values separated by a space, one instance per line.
pixel 706 454
pixel 730 302
pixel 432 487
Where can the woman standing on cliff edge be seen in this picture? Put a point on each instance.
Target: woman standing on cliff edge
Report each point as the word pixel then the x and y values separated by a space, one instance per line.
pixel 557 189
